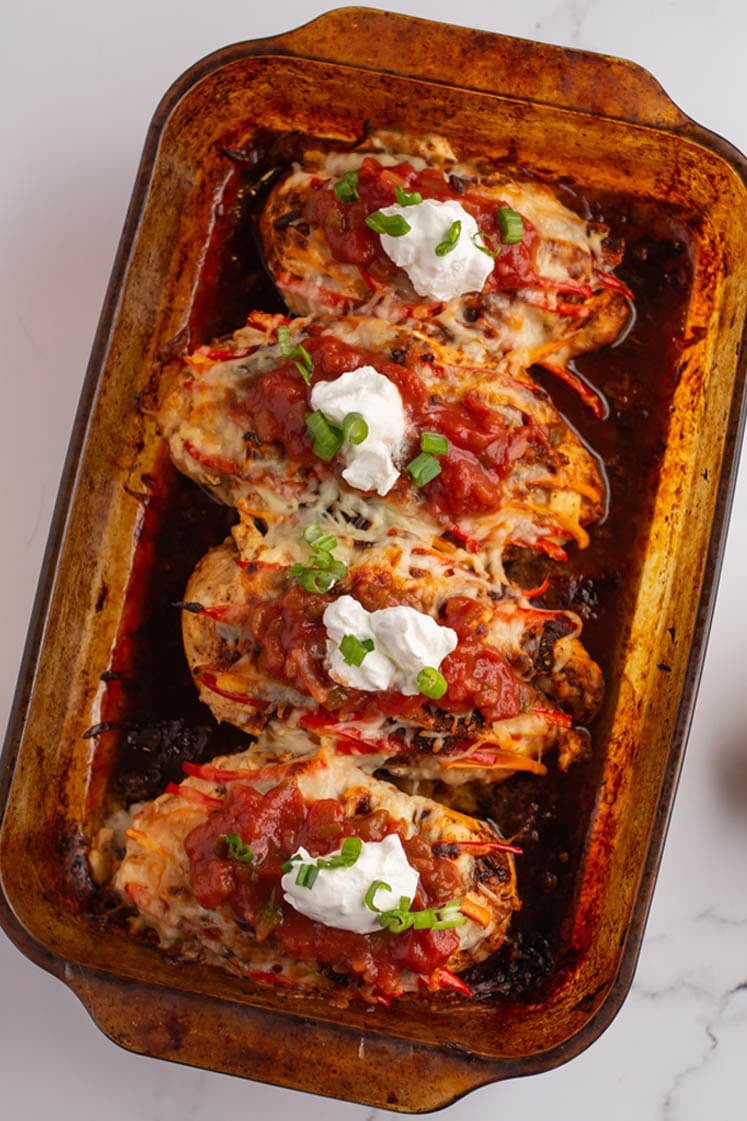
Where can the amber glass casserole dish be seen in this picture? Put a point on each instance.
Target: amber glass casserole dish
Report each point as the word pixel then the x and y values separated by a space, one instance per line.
pixel 103 689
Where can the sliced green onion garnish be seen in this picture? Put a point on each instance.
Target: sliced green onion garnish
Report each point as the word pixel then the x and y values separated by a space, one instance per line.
pixel 312 579
pixel 350 850
pixel 423 468
pixel 431 683
pixel 322 570
pixel 354 428
pixel 368 898
pixel 355 649
pixel 346 188
pixel 402 918
pixel 480 241
pixel 288 866
pixel 238 849
pixel 449 916
pixel 327 437
pixel 321 574
pixel 304 363
pixel 407 198
pixel 510 224
pixel 396 922
pixel 324 560
pixel 451 237
pixel 434 443
pixel 314 536
pixel 302 360
pixel 307 875
pixel 336 568
pixel 392 224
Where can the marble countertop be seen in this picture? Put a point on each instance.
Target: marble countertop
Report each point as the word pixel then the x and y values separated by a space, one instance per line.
pixel 79 83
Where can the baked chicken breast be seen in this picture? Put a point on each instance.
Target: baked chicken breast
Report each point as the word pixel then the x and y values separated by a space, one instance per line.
pixel 249 418
pixel 549 292
pixel 260 638
pixel 309 874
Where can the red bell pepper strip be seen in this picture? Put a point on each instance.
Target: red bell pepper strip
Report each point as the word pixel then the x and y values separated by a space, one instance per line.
pixel 191 794
pixel 445 979
pixel 210 681
pixel 212 462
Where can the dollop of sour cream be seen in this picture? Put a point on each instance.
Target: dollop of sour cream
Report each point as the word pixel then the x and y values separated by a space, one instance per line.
pixel 369 465
pixel 337 896
pixel 465 268
pixel 405 641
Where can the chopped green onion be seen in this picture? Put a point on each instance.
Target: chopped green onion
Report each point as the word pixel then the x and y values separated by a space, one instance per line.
pixel 423 468
pixel 354 428
pixel 337 568
pixel 368 898
pixel 510 224
pixel 238 849
pixel 307 875
pixel 451 237
pixel 350 850
pixel 407 198
pixel 324 560
pixel 288 866
pixel 434 443
pixel 396 922
pixel 304 363
pixel 325 543
pixel 431 683
pixel 322 570
pixel 312 579
pixel 355 649
pixel 314 536
pixel 302 360
pixel 449 916
pixel 402 918
pixel 423 920
pixel 484 245
pixel 321 573
pixel 346 188
pixel 392 224
pixel 327 437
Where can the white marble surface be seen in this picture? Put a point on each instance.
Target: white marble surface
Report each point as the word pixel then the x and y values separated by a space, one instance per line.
pixel 79 81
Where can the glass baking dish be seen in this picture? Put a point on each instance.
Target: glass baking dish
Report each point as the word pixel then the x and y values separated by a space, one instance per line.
pixel 102 653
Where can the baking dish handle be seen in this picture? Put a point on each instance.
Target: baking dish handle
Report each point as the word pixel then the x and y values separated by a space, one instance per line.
pixel 485 61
